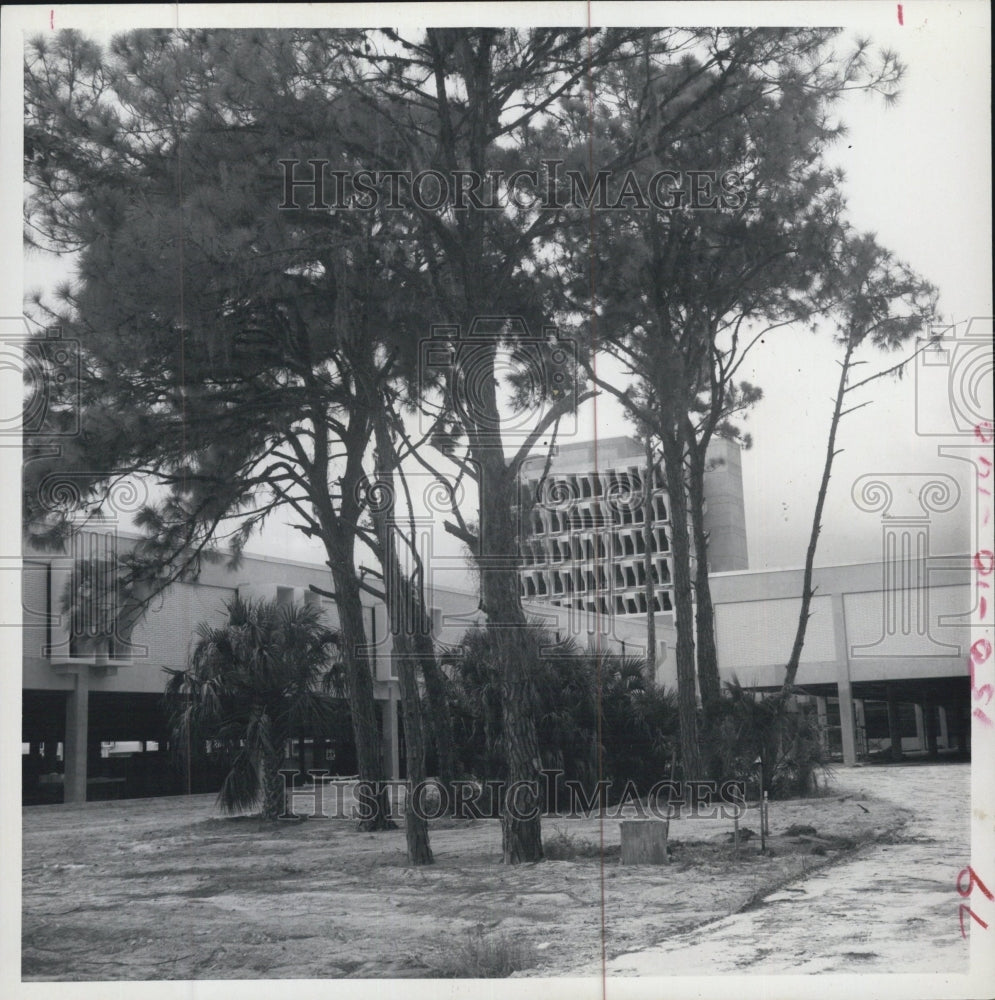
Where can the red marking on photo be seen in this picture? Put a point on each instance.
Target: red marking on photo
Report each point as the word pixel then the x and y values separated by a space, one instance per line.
pixel 901 19
pixel 972 880
pixel 973 915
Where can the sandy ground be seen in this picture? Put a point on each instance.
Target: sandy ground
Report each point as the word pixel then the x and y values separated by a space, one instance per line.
pixel 891 908
pixel 167 889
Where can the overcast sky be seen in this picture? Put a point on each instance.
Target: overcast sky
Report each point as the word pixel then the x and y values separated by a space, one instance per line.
pixel 918 175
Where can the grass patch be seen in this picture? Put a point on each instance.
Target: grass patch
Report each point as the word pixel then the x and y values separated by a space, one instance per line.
pixel 488 956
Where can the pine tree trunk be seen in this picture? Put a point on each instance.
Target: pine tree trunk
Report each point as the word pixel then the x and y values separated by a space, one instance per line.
pixel 359 675
pixel 521 834
pixel 648 542
pixel 687 701
pixel 436 704
pixel 415 824
pixel 338 532
pixel 709 683
pixel 794 661
pixel 405 622
pixel 478 282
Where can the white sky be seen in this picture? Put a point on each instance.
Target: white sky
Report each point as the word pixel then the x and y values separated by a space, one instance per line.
pixel 918 175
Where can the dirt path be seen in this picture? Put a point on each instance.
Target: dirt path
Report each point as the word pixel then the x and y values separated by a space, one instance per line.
pixel 165 889
pixel 892 908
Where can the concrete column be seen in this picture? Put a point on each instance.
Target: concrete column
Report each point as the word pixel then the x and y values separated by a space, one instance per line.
pixel 848 732
pixel 894 731
pixel 964 723
pixel 391 729
pixel 75 743
pixel 820 714
pixel 955 731
pixel 920 728
pixel 929 721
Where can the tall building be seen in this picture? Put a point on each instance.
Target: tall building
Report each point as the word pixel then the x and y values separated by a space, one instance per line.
pixel 585 538
pixel 725 514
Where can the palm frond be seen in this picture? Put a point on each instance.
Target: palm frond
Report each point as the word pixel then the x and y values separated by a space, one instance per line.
pixel 240 789
pixel 251 684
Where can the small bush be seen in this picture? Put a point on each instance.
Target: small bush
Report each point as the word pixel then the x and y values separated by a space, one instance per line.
pixel 801 830
pixel 490 956
pixel 562 846
pixel 748 725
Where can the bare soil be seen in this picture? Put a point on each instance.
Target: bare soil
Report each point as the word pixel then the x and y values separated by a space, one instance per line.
pixel 168 889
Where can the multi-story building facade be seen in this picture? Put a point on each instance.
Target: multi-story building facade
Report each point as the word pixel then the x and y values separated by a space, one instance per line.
pixel 587 539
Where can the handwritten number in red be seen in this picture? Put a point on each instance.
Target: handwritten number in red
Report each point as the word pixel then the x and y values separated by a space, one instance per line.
pixel 974 916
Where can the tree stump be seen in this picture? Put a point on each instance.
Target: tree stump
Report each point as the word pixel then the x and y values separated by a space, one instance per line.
pixel 644 841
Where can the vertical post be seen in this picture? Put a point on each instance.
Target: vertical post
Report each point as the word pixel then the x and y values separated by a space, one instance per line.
pixel 821 715
pixel 75 744
pixel 894 728
pixel 929 721
pixel 964 727
pixel 920 727
pixel 393 735
pixel 763 822
pixel 373 647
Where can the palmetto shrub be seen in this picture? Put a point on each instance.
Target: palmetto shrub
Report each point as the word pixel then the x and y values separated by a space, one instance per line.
pixel 783 735
pixel 252 684
pixel 574 689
